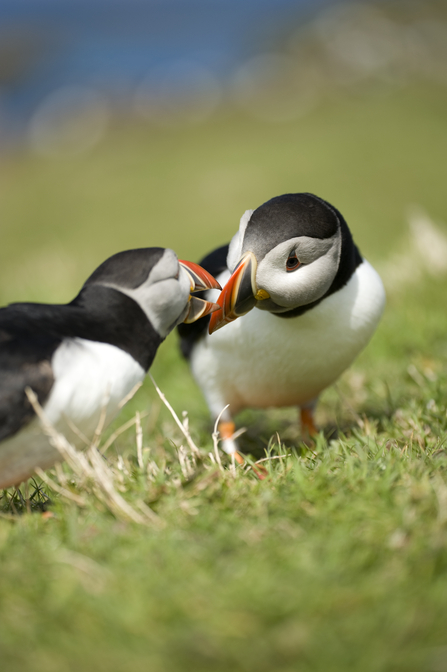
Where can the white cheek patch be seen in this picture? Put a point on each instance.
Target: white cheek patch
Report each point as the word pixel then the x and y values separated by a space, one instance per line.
pixel 319 258
pixel 166 267
pixel 162 296
pixel 164 303
pixel 235 247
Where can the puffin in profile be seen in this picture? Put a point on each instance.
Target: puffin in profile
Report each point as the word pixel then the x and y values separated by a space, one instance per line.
pixel 88 355
pixel 308 303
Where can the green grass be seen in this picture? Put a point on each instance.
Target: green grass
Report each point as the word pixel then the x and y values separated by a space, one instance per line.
pixel 338 560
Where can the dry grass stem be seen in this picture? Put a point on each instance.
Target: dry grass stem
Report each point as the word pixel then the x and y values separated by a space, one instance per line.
pixel 280 455
pixel 139 440
pixel 59 441
pixel 76 431
pixel 215 437
pixel 153 414
pixel 104 478
pixel 59 489
pixel 105 482
pixel 233 466
pixel 90 467
pixel 61 477
pixel 127 425
pixel 186 426
pixel 129 396
pixel 101 421
pixel 239 433
pixel 182 428
pixel 273 457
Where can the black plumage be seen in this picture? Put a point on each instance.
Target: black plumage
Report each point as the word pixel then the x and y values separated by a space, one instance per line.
pixel 24 362
pixel 83 358
pixel 31 332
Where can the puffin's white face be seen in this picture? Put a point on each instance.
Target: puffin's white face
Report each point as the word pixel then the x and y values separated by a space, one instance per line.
pixel 164 295
pixel 309 277
pixel 286 255
pixel 288 283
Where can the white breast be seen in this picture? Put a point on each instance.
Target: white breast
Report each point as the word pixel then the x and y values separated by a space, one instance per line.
pixel 88 377
pixel 262 360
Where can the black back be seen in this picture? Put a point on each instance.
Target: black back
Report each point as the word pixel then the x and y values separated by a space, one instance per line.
pixel 215 263
pixel 24 362
pixel 31 332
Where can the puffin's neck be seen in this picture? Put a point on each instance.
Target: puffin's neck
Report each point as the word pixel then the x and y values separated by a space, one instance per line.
pixel 98 313
pixel 350 259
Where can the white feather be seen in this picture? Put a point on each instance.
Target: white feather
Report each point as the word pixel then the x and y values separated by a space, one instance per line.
pixel 262 360
pixel 88 377
pixel 235 247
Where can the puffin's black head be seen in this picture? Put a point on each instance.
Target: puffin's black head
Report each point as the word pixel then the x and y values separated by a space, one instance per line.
pixel 288 217
pixel 289 253
pixel 159 283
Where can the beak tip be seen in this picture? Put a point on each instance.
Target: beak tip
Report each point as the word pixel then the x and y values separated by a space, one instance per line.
pixel 200 278
pixel 238 295
pixel 216 321
pixel 198 308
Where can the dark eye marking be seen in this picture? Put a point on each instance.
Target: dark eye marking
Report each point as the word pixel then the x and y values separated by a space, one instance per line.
pixel 292 262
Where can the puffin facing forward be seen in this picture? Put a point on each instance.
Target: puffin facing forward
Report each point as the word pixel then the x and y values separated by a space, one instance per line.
pixel 317 303
pixel 89 354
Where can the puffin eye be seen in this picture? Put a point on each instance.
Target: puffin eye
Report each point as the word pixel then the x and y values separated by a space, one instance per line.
pixel 292 262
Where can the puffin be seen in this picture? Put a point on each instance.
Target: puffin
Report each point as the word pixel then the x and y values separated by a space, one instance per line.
pixel 83 358
pixel 298 304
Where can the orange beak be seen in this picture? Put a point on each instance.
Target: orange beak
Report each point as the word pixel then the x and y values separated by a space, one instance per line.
pixel 239 295
pixel 200 281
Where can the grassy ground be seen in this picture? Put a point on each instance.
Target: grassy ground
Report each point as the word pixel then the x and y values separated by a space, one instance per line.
pixel 338 560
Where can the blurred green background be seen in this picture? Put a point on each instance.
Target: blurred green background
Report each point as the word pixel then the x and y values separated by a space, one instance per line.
pixel 347 101
pixel 372 156
pixel 339 562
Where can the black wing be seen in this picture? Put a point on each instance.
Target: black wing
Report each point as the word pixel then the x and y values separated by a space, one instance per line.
pixel 215 263
pixel 25 361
